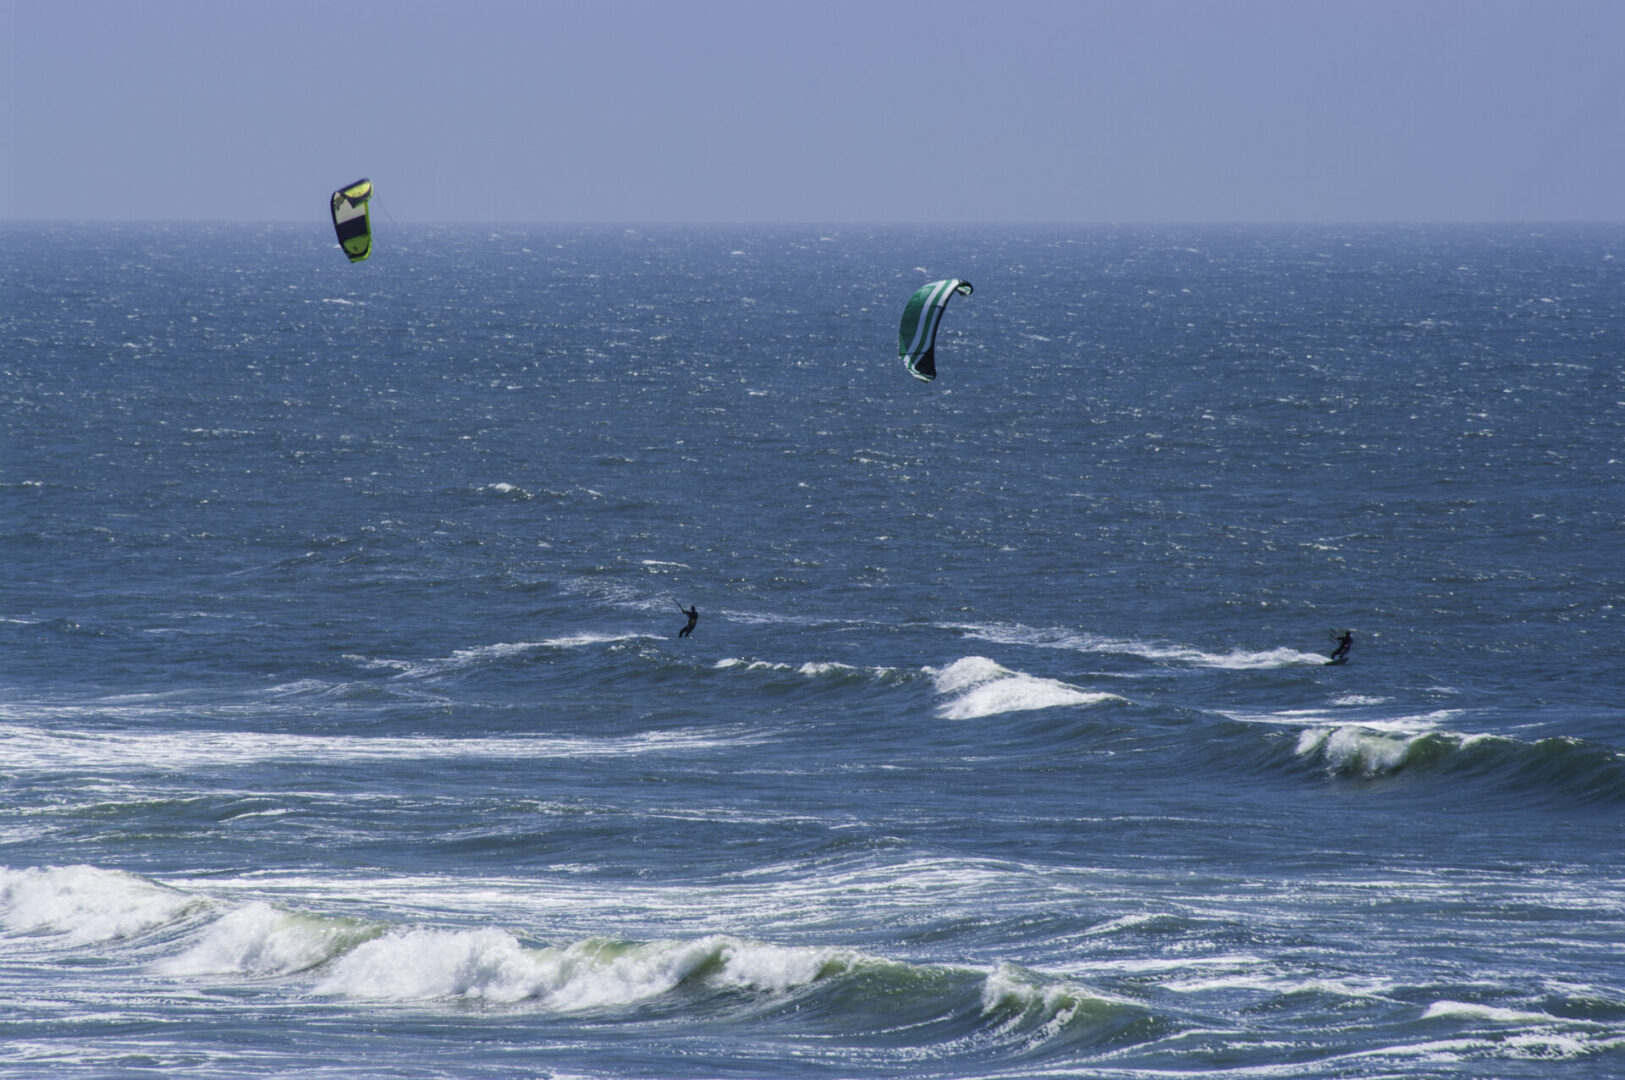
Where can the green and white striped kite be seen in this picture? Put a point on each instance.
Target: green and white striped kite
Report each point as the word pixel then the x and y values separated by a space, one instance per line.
pixel 917 336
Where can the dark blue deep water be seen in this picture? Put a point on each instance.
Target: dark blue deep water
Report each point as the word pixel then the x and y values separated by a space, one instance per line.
pixel 345 732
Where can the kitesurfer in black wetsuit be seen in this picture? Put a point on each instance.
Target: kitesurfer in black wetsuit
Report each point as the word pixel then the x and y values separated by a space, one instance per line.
pixel 693 614
pixel 1345 642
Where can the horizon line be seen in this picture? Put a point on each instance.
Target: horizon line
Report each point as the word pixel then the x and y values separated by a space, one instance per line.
pixel 856 223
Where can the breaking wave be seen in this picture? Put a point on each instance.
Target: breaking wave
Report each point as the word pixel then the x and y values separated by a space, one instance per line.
pixel 1565 769
pixel 978 687
pixel 86 911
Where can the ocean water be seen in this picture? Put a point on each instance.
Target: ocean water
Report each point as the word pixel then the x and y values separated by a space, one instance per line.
pixel 345 732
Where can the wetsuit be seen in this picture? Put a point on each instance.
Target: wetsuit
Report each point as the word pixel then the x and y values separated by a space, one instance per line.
pixel 693 614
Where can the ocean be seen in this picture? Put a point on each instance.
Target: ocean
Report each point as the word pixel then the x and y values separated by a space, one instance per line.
pixel 345 730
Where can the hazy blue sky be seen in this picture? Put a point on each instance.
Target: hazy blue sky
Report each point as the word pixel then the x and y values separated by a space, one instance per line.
pixel 829 111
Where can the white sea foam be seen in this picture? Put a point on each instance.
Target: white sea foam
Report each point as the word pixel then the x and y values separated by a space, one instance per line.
pixel 476 655
pixel 1406 724
pixel 85 904
pixel 259 939
pixel 589 975
pixel 1369 749
pixel 1077 641
pixel 1218 969
pixel 815 668
pixel 1463 1010
pixel 509 491
pixel 811 669
pixel 31 749
pixel 980 687
pixel 497 652
pixel 780 894
pixel 1277 984
pixel 1235 659
pixel 433 963
pixel 1552 1046
pixel 1123 922
pixel 1044 1007
pixel 577 641
pixel 168 707
pixel 361 958
pixel 751 665
pixel 1545 1046
pixel 1356 749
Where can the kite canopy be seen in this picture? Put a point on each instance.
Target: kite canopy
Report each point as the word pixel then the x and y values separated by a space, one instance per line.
pixel 917 336
pixel 350 220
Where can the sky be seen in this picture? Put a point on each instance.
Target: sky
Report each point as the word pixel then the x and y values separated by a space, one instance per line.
pixel 835 111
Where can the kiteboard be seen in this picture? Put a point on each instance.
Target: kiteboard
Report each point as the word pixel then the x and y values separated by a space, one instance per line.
pixel 1338 660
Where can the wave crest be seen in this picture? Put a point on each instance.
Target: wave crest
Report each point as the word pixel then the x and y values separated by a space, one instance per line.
pixel 591 975
pixel 981 687
pixel 1563 769
pixel 84 904
pixel 260 939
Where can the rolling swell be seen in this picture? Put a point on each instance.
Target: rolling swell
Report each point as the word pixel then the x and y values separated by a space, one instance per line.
pixel 1553 771
pixel 98 918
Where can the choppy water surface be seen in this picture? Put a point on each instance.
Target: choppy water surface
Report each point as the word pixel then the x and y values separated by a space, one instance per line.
pixel 344 730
